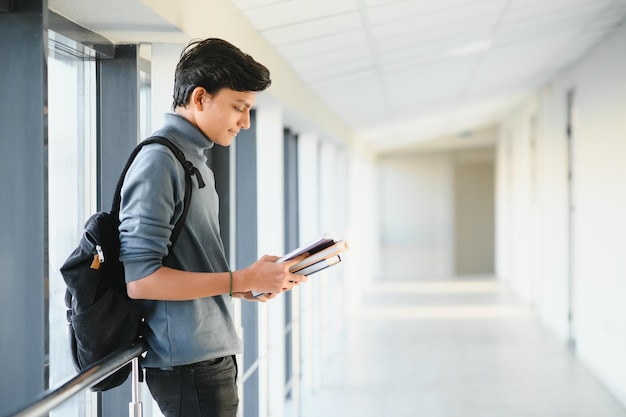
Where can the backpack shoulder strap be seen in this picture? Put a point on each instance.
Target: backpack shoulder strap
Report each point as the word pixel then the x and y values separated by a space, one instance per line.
pixel 189 171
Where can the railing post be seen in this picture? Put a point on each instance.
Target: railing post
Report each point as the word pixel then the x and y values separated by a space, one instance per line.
pixel 135 408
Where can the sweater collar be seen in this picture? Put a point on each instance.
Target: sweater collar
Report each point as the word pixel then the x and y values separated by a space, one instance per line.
pixel 183 132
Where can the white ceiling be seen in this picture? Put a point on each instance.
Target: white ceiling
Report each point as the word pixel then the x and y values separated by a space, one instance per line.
pixel 400 71
pixel 403 71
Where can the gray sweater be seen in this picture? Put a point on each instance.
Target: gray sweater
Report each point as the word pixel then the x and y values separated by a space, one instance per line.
pixel 178 332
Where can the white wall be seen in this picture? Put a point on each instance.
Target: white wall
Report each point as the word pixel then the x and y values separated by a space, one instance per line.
pixel 532 222
pixel 362 228
pixel 417 215
pixel 164 58
pixel 598 265
pixel 517 194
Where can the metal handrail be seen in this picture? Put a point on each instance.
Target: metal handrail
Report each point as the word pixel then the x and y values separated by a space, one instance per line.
pixel 89 377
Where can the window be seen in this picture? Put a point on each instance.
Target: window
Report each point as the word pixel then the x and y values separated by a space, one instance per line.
pixel 71 190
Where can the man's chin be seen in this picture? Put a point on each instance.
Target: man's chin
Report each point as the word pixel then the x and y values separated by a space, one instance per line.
pixel 224 142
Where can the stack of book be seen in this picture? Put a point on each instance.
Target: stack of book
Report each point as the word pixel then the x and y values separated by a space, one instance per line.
pixel 322 253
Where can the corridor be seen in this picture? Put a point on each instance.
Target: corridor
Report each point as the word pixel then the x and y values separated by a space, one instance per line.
pixel 454 348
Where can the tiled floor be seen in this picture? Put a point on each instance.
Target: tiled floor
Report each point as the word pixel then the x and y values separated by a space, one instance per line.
pixel 457 348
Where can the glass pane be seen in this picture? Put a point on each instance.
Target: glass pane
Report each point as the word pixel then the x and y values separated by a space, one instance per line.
pixel 71 191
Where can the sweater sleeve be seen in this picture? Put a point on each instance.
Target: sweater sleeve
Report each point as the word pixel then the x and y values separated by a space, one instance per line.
pixel 152 198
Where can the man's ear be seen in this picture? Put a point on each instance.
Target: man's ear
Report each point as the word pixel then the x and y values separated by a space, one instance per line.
pixel 198 96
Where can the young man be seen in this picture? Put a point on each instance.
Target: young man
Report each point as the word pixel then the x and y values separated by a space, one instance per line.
pixel 190 364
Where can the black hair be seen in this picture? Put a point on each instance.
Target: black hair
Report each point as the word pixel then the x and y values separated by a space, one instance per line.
pixel 215 64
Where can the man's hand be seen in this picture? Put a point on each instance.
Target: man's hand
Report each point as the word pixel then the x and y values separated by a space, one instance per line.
pixel 268 276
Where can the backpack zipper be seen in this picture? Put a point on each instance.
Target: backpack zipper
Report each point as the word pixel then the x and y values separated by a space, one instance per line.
pixel 100 253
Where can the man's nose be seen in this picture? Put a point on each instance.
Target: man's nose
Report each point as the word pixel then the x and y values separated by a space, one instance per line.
pixel 244 121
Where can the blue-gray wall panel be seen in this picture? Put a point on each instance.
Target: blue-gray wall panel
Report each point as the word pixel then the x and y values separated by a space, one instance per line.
pixel 291 237
pixel 23 40
pixel 118 127
pixel 118 124
pixel 246 253
pixel 219 161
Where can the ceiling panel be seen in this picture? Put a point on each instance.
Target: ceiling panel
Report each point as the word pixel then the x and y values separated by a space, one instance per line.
pixel 359 106
pixel 316 69
pixel 435 52
pixel 480 27
pixel 514 63
pixel 297 11
pixel 584 41
pixel 572 17
pixel 426 80
pixel 414 93
pixel 415 27
pixel 323 44
pixel 351 82
pixel 333 25
pixel 332 58
pixel 425 6
pixel 520 10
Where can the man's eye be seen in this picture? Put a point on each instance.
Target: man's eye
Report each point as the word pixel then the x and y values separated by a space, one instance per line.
pixel 239 109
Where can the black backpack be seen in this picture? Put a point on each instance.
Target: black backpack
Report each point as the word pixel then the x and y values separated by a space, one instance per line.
pixel 101 317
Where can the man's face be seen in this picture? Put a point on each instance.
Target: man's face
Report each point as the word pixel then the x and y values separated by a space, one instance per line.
pixel 224 114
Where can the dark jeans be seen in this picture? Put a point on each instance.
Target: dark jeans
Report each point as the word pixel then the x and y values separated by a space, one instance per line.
pixel 203 389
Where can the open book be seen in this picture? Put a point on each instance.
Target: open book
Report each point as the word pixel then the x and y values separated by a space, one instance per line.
pixel 322 253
